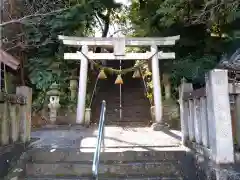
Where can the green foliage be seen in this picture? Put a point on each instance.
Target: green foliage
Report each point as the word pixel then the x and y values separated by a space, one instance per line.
pixel 195 21
pixel 147 77
pixel 45 63
pixel 192 68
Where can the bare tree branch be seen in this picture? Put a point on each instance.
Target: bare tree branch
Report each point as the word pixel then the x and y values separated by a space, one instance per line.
pixel 34 15
pixel 213 7
pixel 106 23
pixel 13 47
pixel 121 30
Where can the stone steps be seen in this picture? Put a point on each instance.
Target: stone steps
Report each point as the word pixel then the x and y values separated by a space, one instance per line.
pixel 115 163
pixel 102 177
pixel 131 153
pixel 115 169
pixel 135 106
pixel 125 100
pixel 127 123
pixel 71 163
pixel 68 155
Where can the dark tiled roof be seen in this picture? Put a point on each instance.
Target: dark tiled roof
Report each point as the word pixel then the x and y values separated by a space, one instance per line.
pixel 9 60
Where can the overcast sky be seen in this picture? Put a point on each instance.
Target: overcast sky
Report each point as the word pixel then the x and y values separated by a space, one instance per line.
pixel 126 2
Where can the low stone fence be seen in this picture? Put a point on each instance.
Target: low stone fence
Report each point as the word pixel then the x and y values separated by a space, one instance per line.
pixel 234 89
pixel 15 116
pixel 206 120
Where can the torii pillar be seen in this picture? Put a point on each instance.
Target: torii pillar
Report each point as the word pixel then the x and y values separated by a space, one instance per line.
pixel 82 87
pixel 157 94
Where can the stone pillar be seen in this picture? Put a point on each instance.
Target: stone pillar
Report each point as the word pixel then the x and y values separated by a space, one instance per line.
pixel 53 107
pixel 191 125
pixel 25 113
pixel 197 121
pixel 73 88
pixel 220 130
pixel 53 102
pixel 204 121
pixel 184 113
pixel 82 87
pixel 209 110
pixel 167 86
pixel 14 122
pixel 237 109
pixel 4 123
pixel 157 94
pixel 184 109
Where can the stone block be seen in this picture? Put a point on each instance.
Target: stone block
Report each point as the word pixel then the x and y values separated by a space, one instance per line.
pixel 191 124
pixel 25 113
pixel 197 121
pixel 219 117
pixel 5 124
pixel 204 121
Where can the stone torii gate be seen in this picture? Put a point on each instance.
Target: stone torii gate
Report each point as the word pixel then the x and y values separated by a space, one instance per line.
pixel 119 44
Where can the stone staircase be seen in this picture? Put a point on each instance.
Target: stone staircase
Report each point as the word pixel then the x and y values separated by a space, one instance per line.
pixel 135 106
pixel 63 154
pixel 73 164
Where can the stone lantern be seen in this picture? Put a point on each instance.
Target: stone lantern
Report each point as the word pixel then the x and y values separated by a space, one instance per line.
pixel 53 105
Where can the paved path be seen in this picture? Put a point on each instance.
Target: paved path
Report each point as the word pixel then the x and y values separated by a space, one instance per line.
pixel 115 137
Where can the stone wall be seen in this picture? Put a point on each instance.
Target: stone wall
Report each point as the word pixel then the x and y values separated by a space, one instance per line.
pixel 15 126
pixel 15 116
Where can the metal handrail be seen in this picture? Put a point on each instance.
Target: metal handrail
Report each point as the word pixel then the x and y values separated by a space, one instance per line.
pixel 100 139
pixel 93 93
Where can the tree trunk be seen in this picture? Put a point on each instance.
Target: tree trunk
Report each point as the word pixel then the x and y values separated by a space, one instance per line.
pixel 106 24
